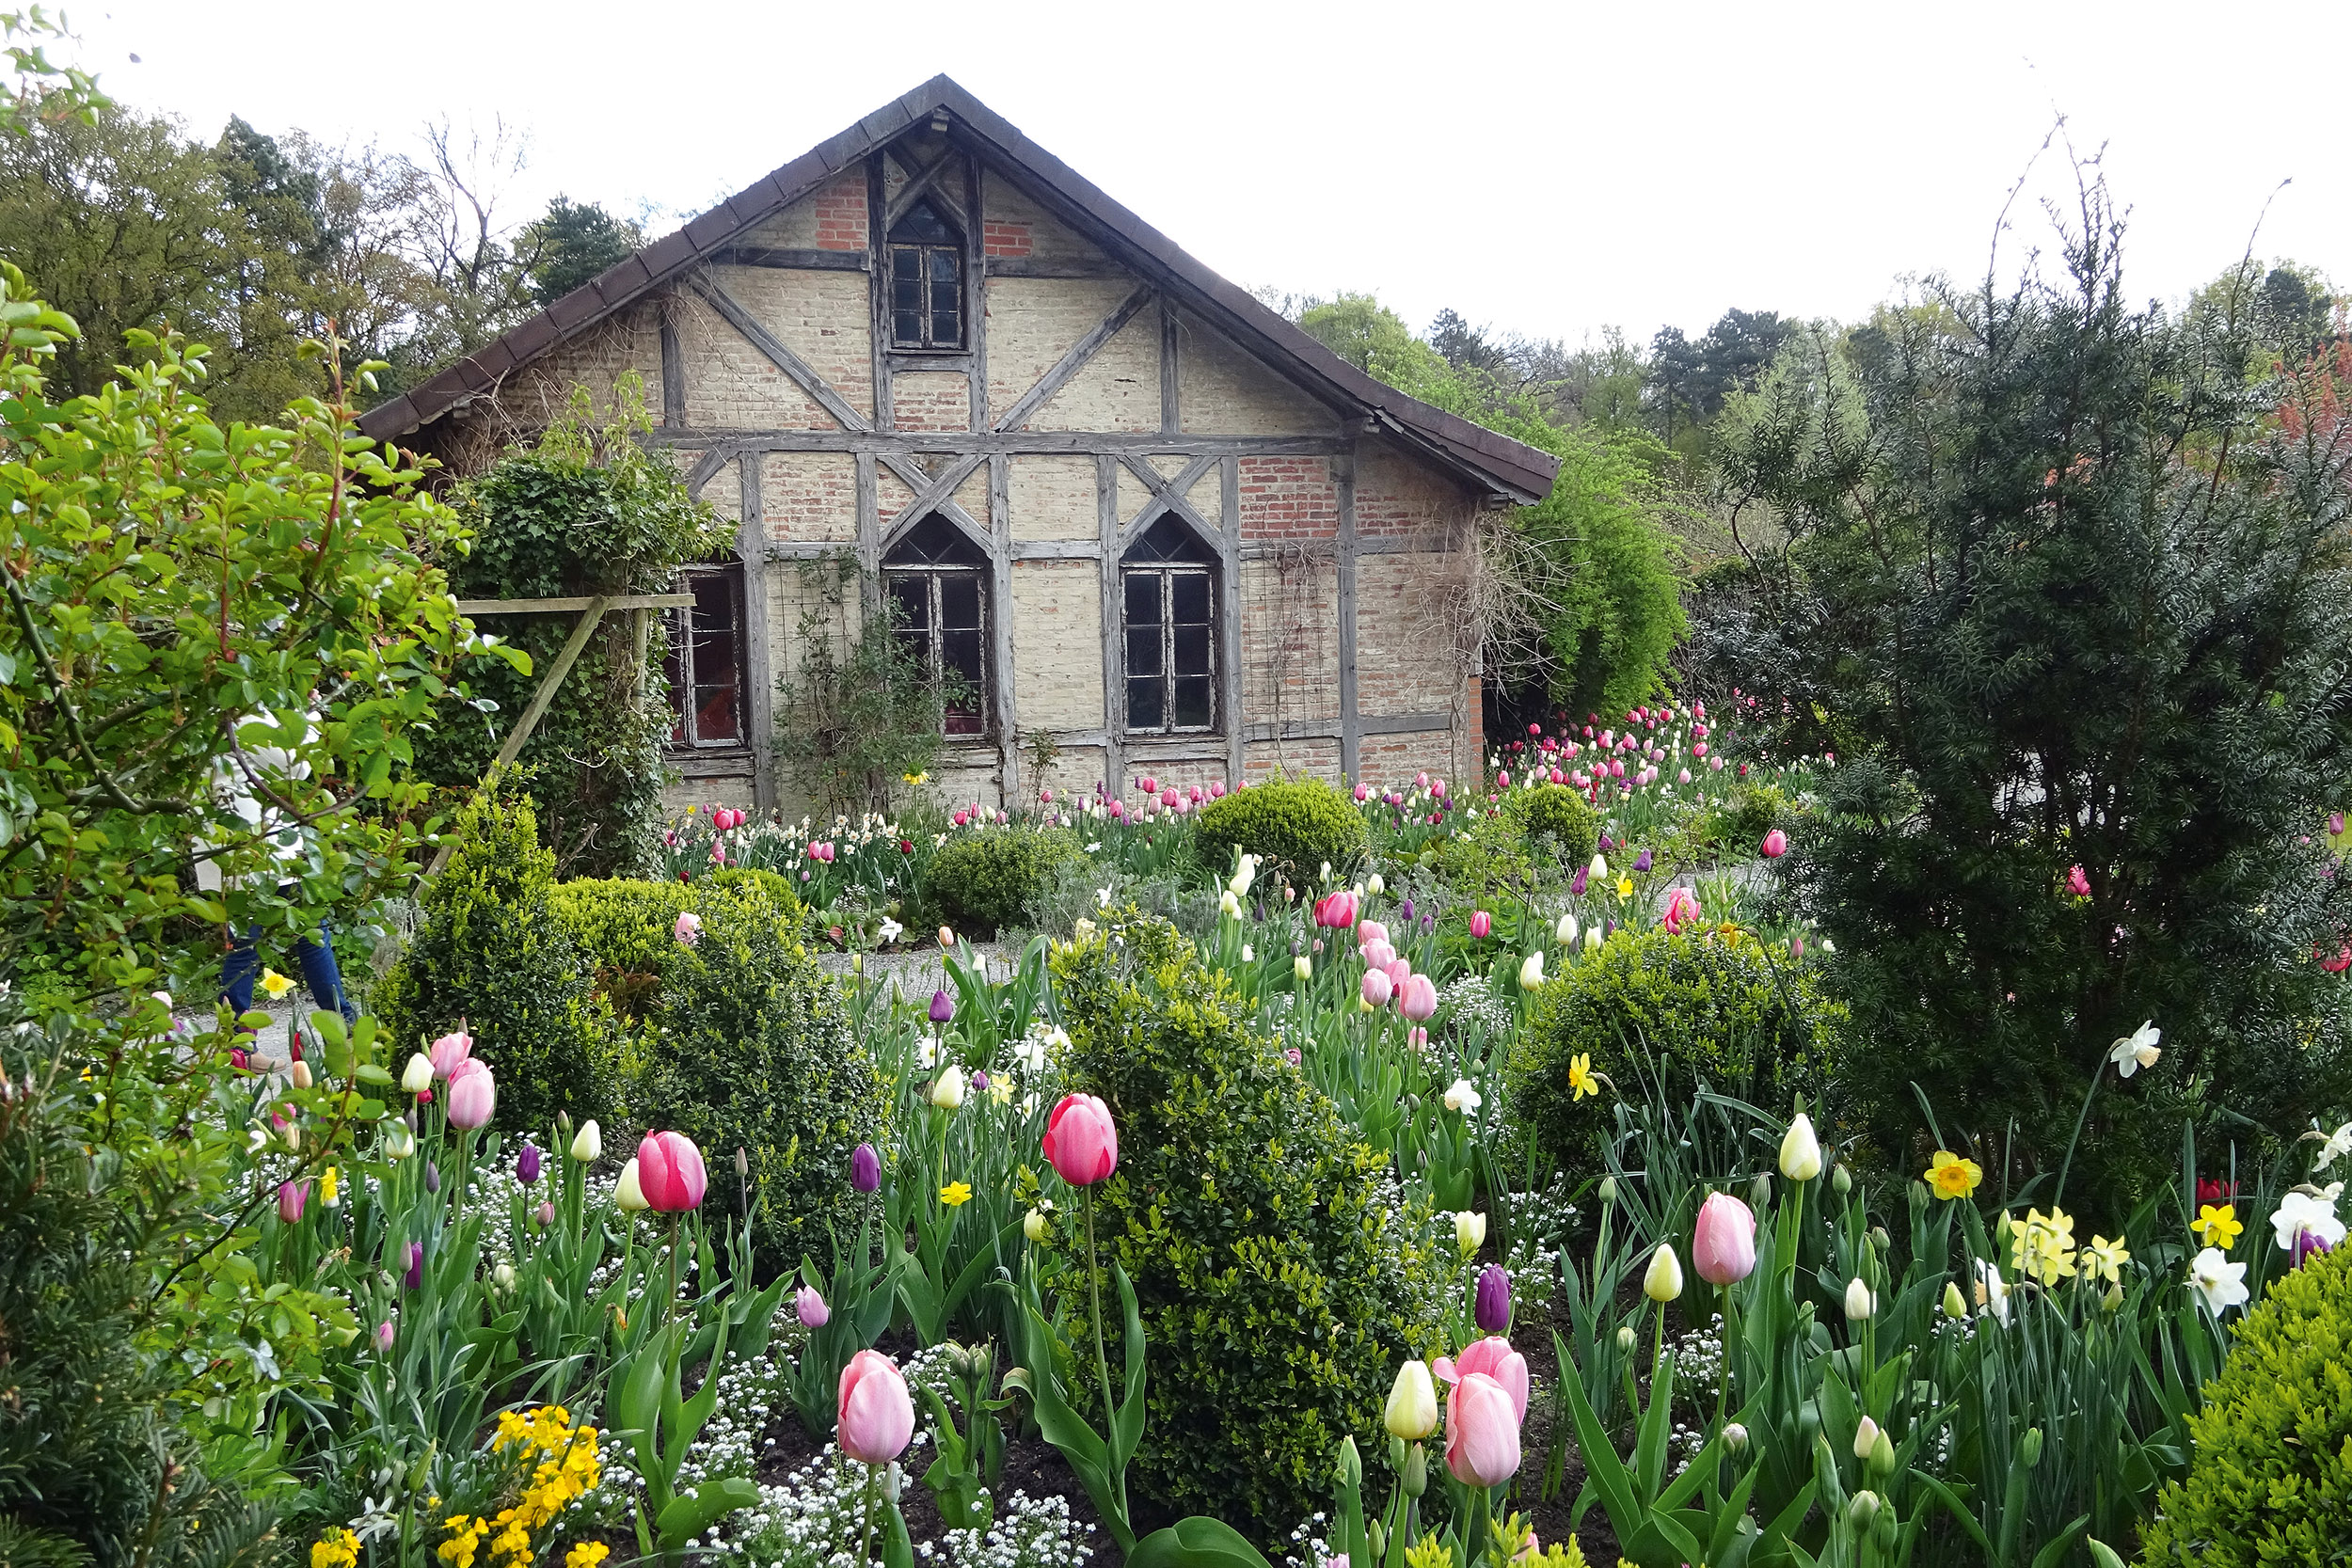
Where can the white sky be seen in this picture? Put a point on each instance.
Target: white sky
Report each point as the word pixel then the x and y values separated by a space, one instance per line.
pixel 1548 168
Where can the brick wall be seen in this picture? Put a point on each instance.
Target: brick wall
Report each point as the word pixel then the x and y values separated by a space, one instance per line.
pixel 930 400
pixel 1007 239
pixel 841 216
pixel 1057 643
pixel 1288 500
pixel 1224 392
pixel 809 496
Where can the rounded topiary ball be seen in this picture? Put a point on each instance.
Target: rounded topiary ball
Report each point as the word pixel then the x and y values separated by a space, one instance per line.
pixel 2272 1478
pixel 1567 816
pixel 984 879
pixel 1294 823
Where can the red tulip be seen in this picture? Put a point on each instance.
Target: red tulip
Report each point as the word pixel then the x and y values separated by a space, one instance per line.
pixel 670 1172
pixel 1081 1141
pixel 1482 1433
pixel 874 1413
pixel 1336 911
pixel 1776 845
pixel 1724 1249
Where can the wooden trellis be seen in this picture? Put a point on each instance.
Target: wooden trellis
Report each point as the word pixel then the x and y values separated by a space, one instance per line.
pixel 591 609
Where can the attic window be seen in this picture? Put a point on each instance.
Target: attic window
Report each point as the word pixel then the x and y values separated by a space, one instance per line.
pixel 926 281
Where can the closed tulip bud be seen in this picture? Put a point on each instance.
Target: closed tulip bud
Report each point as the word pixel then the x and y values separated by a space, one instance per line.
pixel 1351 1464
pixel 1883 1455
pixel 2029 1449
pixel 432 1177
pixel 527 1165
pixel 864 1169
pixel 1490 1306
pixel 1376 989
pixel 545 1214
pixel 1599 867
pixel 1470 1232
pixel 503 1277
pixel 1865 1437
pixel 1417 999
pixel 946 937
pixel 418 1076
pixel 1411 1413
pixel 1482 1431
pixel 1863 1509
pixel 1033 1226
pixel 472 1095
pixel 1955 1305
pixel 1564 932
pixel 1662 1282
pixel 948 1088
pixel 1081 1140
pixel 1880 1239
pixel 1800 1152
pixel 670 1172
pixel 1723 1245
pixel 1302 966
pixel 874 1415
pixel 301 1075
pixel 810 1307
pixel 742 1165
pixel 1735 1439
pixel 1859 1304
pixel 1375 885
pixel 383 1334
pixel 1760 1191
pixel 399 1142
pixel 1841 1181
pixel 1414 1477
pixel 290 1198
pixel 630 1194
pixel 1626 1339
pixel 1481 925
pixel 1609 1189
pixel 588 1143
pixel 1532 972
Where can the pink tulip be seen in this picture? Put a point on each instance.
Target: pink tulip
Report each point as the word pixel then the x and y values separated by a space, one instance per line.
pixel 472 1096
pixel 1336 912
pixel 874 1415
pixel 1682 910
pixel 1482 1433
pixel 1481 925
pixel 1724 1249
pixel 1776 845
pixel 1494 1357
pixel 670 1172
pixel 446 1052
pixel 2076 883
pixel 1371 930
pixel 1376 988
pixel 1376 953
pixel 1081 1141
pixel 1398 971
pixel 1149 785
pixel 810 1307
pixel 383 1334
pixel 292 1195
pixel 1502 778
pixel 1363 793
pixel 689 929
pixel 1417 999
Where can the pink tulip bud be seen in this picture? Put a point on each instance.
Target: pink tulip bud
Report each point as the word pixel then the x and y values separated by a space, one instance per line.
pixel 1376 988
pixel 1398 971
pixel 1216 790
pixel 1149 785
pixel 874 1415
pixel 1418 1000
pixel 810 1307
pixel 292 1195
pixel 1336 911
pixel 1724 1249
pixel 1081 1141
pixel 446 1052
pixel 472 1096
pixel 1776 845
pixel 689 927
pixel 383 1334
pixel 1363 793
pixel 545 1214
pixel 1376 953
pixel 670 1172
pixel 1481 925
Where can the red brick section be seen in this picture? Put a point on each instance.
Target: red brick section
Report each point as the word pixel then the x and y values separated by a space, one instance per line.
pixel 841 216
pixel 1288 499
pixel 1005 239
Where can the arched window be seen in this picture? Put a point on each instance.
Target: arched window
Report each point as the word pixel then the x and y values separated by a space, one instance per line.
pixel 937 580
pixel 1169 583
pixel 926 281
pixel 705 664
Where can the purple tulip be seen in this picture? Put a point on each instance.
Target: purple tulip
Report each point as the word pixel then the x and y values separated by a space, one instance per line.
pixel 2307 1245
pixel 1576 883
pixel 432 1177
pixel 1491 1307
pixel 415 1277
pixel 527 1165
pixel 979 1079
pixel 864 1169
pixel 810 1307
pixel 1407 912
pixel 1642 861
pixel 942 1009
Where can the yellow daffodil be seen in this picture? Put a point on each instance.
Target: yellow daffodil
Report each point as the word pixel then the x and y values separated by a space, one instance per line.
pixel 274 985
pixel 955 1195
pixel 1952 1177
pixel 2217 1223
pixel 331 1186
pixel 2043 1248
pixel 2104 1260
pixel 1580 1076
pixel 1625 886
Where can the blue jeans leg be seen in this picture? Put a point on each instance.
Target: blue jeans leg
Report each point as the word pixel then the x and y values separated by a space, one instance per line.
pixel 314 956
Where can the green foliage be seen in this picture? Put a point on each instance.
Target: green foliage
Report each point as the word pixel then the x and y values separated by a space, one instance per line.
pixel 588 511
pixel 986 878
pixel 1561 813
pixel 758 1054
pixel 1280 1275
pixel 1683 1007
pixel 2271 1480
pixel 2085 593
pixel 492 951
pixel 571 243
pixel 1297 823
pixel 860 715
pixel 627 928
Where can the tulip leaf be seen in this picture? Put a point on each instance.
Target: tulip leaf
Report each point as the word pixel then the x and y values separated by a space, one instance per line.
pixel 1196 1543
pixel 694 1511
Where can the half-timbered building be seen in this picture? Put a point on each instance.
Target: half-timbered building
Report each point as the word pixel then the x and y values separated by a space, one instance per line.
pixel 1114 497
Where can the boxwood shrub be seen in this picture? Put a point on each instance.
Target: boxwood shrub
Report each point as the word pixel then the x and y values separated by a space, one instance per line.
pixel 985 879
pixel 1561 813
pixel 1295 823
pixel 491 951
pixel 1280 1275
pixel 1711 1004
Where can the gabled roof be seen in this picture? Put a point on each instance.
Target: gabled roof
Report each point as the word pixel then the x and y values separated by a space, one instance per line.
pixel 1493 461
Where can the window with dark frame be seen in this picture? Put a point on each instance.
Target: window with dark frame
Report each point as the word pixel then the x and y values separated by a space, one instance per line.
pixel 937 580
pixel 926 281
pixel 1168 584
pixel 705 663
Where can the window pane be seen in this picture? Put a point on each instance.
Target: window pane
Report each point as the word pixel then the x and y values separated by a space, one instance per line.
pixel 947 267
pixel 1143 651
pixel 960 601
pixel 1145 705
pixel 1192 650
pixel 960 656
pixel 1193 709
pixel 1143 598
pixel 915 604
pixel 715 715
pixel 1189 592
pixel 675 666
pixel 714 603
pixel 906 279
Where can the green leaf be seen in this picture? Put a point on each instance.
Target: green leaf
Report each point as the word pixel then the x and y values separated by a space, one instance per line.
pixel 1196 1543
pixel 694 1511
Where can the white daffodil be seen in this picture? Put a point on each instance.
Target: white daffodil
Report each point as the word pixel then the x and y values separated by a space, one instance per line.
pixel 2222 1282
pixel 2135 1049
pixel 1103 897
pixel 2301 1211
pixel 1992 1291
pixel 889 931
pixel 1463 1097
pixel 2338 1144
pixel 926 1053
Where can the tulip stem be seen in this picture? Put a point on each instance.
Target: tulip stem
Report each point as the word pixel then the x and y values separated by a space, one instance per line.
pixel 1094 1285
pixel 865 1515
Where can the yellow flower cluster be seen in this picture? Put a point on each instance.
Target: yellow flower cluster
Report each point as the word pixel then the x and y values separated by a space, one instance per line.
pixel 2043 1248
pixel 566 1470
pixel 337 1549
pixel 587 1554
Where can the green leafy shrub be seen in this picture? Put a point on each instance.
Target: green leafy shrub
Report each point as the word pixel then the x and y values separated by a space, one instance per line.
pixel 626 927
pixel 1753 811
pixel 1298 823
pixel 2272 1477
pixel 1279 1275
pixel 986 880
pixel 1560 813
pixel 757 1052
pixel 1700 1006
pixel 492 952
